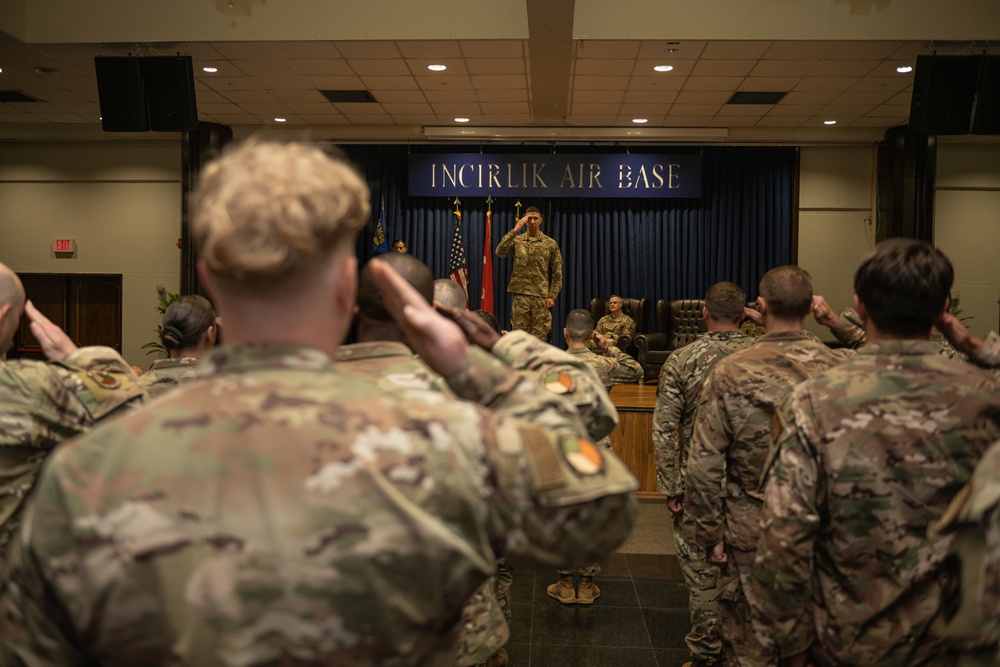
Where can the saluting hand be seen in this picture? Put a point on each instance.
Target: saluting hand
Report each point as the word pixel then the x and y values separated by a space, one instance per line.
pixel 56 345
pixel 477 331
pixel 519 225
pixel 438 341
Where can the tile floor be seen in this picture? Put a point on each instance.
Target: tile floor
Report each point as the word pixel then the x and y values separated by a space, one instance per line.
pixel 639 621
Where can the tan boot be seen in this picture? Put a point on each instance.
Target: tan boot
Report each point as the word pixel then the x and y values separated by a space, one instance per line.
pixel 498 659
pixel 588 591
pixel 562 590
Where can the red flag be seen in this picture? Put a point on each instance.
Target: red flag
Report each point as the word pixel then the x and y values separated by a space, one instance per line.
pixel 486 298
pixel 458 270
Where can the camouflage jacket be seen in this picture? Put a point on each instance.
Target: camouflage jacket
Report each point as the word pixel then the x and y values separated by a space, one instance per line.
pixel 613 366
pixel 971 597
pixel 279 509
pixel 868 455
pixel 732 433
pixel 537 264
pixel 613 329
pixel 168 373
pixel 681 378
pixel 42 404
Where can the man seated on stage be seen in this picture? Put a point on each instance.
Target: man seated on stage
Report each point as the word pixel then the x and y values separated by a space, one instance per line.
pixel 616 324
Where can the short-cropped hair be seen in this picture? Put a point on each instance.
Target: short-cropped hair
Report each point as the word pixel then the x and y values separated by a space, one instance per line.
pixel 579 325
pixel 904 285
pixel 725 302
pixel 265 212
pixel 370 301
pixel 449 293
pixel 788 291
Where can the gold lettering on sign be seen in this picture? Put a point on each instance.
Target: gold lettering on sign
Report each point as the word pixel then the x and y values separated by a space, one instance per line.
pixel 448 175
pixel 493 172
pixel 568 176
pixel 595 175
pixel 624 176
pixel 672 176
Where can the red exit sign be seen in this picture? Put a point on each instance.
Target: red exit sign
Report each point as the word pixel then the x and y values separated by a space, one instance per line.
pixel 64 245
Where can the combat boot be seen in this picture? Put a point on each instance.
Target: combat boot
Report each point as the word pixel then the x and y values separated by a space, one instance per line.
pixel 562 590
pixel 588 591
pixel 498 659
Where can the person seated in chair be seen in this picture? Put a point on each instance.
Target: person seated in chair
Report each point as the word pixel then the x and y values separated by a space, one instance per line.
pixel 616 324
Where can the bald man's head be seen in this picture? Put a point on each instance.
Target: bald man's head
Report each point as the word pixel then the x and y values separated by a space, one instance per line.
pixel 11 306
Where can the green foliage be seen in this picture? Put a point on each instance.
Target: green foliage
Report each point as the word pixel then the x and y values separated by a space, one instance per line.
pixel 156 347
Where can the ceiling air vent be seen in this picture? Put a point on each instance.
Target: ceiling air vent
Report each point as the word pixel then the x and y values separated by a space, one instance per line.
pixel 349 96
pixel 755 98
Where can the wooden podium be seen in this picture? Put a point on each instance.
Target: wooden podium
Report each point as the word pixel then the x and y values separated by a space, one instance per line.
pixel 633 438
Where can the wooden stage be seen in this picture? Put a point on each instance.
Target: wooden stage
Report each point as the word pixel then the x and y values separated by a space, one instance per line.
pixel 633 438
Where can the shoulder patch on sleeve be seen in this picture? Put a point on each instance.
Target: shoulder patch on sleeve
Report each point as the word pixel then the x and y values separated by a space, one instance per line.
pixel 543 460
pixel 583 456
pixel 559 383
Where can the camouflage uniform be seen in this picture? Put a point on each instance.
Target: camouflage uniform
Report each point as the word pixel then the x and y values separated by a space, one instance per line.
pixel 868 455
pixel 970 619
pixel 729 445
pixel 613 329
pixel 168 373
pixel 42 404
pixel 536 276
pixel 486 617
pixel 681 378
pixel 613 366
pixel 281 510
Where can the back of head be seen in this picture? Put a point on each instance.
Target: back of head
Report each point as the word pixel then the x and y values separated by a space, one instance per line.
pixel 449 293
pixel 267 214
pixel 725 302
pixel 185 321
pixel 788 292
pixel 11 305
pixel 904 285
pixel 415 272
pixel 579 326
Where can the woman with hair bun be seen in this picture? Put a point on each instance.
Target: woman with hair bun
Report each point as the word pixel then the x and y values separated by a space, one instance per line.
pixel 190 327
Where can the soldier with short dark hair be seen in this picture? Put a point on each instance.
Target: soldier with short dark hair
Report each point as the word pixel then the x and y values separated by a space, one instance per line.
pixel 279 510
pixel 536 278
pixel 680 383
pixel 866 457
pixel 730 442
pixel 615 324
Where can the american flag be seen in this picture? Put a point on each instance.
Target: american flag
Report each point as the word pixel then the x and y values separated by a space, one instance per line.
pixel 458 270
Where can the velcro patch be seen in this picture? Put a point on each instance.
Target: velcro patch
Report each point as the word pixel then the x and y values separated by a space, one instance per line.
pixel 583 456
pixel 543 460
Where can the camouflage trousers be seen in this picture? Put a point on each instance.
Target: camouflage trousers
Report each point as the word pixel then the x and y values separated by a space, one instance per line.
pixel 744 643
pixel 702 581
pixel 485 624
pixel 529 313
pixel 589 571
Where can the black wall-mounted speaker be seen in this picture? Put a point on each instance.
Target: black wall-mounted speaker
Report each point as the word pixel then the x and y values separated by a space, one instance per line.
pixel 944 92
pixel 987 117
pixel 119 88
pixel 138 94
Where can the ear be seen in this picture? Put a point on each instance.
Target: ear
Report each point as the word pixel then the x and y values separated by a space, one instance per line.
pixel 704 312
pixel 862 310
pixel 345 285
pixel 206 279
pixel 761 305
pixel 4 314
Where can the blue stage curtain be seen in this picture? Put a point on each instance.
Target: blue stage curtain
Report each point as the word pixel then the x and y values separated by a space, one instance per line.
pixel 744 224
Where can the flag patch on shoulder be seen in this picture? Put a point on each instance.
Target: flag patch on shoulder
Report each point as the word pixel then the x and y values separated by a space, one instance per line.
pixel 559 383
pixel 583 456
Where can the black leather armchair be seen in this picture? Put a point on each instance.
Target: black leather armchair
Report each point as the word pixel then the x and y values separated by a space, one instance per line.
pixel 637 309
pixel 678 323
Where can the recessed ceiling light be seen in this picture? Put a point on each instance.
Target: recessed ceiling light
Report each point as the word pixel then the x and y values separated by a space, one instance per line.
pixel 663 68
pixel 640 120
pixel 210 70
pixel 829 122
pixel 905 69
pixel 461 120
pixel 437 68
pixel 1 70
pixel 279 120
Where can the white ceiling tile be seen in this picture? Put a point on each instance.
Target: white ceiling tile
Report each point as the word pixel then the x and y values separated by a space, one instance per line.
pixel 702 97
pixel 843 67
pixel 682 50
pixel 826 83
pixel 419 49
pixel 601 82
pixel 247 50
pixel 723 68
pixel 861 50
pixel 591 121
pixel 782 68
pixel 594 109
pixel 872 98
pixel 260 67
pixel 355 119
pixel 451 96
pixel 491 48
pixel 596 48
pixel 399 96
pixel 735 50
pixel 336 82
pixel 411 109
pixel 442 81
pixel 359 108
pixel 769 83
pixel 379 67
pixel 695 109
pixel 650 96
pixel 456 109
pixel 295 95
pixel 322 67
pixel 512 95
pixel 795 109
pixel 496 65
pixel 419 66
pixel 319 50
pixel 368 49
pixel 656 83
pixel 607 67
pixel 248 96
pixel 389 82
pixel 798 50
pixel 712 83
pixel 757 110
pixel 598 96
pixel 499 81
